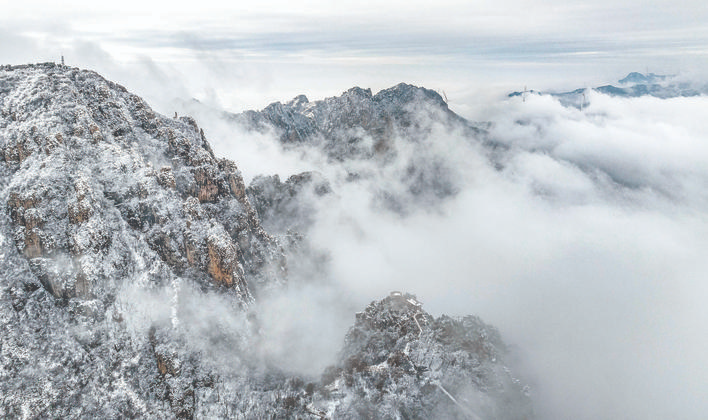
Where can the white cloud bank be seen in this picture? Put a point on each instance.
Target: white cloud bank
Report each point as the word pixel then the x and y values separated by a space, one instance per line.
pixel 587 249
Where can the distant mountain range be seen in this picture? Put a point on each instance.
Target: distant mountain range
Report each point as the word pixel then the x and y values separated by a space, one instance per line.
pixel 341 125
pixel 632 86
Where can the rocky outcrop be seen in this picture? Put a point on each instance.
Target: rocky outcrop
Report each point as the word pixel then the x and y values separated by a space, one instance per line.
pixel 24 214
pixel 287 206
pixel 399 361
pixel 223 263
pixel 166 178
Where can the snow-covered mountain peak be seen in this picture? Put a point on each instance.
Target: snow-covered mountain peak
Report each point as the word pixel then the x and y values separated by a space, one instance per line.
pixel 94 175
pixel 134 264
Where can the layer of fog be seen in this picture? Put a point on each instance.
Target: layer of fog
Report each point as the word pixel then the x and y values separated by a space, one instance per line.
pixel 586 249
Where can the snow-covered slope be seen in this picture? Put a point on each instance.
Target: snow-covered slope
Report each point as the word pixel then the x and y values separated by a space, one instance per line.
pixel 106 201
pixel 94 173
pixel 131 259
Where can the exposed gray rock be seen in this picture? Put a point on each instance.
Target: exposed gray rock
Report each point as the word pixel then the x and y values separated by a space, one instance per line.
pixel 287 206
pixel 83 192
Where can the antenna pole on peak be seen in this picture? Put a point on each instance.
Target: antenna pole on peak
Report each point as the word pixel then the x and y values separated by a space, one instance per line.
pixel 62 60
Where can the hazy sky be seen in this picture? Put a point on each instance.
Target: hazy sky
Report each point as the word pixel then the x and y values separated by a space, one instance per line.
pixel 247 55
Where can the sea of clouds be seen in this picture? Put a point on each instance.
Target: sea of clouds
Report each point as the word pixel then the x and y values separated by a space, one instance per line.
pixel 582 236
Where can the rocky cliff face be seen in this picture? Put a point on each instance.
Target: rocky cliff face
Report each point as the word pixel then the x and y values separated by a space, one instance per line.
pixel 106 202
pixel 131 259
pixel 94 173
pixel 399 361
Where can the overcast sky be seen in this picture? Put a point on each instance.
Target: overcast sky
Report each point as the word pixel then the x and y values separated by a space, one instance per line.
pixel 247 55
